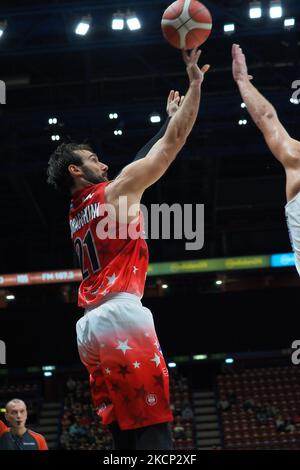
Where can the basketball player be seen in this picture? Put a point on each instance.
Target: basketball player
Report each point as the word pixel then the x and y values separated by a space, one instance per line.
pixel 18 437
pixel 282 145
pixel 117 340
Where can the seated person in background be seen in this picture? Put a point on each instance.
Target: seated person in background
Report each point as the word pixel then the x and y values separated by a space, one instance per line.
pixel 289 426
pixel 248 405
pixel 187 412
pixel 280 424
pixel 224 405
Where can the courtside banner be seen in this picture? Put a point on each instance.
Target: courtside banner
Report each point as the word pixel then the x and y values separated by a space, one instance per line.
pixel 155 269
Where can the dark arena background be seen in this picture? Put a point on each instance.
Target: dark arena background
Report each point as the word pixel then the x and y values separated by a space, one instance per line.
pixel 226 314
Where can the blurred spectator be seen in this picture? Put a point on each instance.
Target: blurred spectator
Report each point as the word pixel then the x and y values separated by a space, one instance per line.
pixel 224 405
pixel 187 412
pixel 271 411
pixel 296 419
pixel 179 432
pixel 231 397
pixel 262 417
pixel 71 384
pixel 248 405
pixel 280 424
pixel 289 426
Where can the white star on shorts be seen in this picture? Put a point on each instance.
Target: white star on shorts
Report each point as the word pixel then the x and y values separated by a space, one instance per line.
pixel 136 365
pixel 156 359
pixel 123 345
pixel 108 371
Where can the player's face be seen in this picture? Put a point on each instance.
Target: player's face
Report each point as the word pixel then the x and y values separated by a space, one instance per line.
pixel 93 170
pixel 16 415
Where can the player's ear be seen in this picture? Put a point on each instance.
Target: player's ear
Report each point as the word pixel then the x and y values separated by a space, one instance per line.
pixel 74 170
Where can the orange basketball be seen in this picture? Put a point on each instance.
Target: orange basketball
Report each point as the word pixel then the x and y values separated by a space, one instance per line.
pixel 186 24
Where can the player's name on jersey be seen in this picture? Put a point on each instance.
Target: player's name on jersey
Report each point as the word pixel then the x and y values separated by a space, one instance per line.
pixel 90 212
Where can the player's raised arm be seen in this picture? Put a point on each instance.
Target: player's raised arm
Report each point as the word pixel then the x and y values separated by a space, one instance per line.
pixel 281 144
pixel 173 104
pixel 137 176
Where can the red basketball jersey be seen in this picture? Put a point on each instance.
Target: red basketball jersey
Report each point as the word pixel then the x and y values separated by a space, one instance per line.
pixel 117 262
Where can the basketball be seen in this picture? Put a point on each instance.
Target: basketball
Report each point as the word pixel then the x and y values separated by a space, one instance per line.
pixel 186 24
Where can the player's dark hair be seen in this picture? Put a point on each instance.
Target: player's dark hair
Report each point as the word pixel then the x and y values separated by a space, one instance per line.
pixel 57 173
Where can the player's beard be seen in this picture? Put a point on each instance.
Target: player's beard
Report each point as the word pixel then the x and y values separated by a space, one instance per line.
pixel 92 177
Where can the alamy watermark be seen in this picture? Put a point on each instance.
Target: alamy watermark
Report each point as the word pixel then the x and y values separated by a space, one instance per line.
pixel 159 222
pixel 2 92
pixel 2 352
pixel 296 95
pixel 296 354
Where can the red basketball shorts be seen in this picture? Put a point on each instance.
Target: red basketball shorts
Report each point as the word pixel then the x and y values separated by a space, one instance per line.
pixel 129 379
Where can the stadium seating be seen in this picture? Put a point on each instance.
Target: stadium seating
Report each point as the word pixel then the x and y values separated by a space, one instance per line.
pixel 274 395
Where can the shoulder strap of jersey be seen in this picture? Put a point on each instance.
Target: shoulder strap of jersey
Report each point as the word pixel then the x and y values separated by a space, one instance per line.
pixel 42 445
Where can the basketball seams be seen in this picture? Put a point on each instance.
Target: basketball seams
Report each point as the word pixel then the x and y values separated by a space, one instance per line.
pixel 190 18
pixel 173 10
pixel 194 35
pixel 173 34
pixel 196 13
pixel 183 23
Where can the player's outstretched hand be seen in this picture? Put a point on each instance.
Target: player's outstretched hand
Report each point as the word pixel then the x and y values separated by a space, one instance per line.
pixel 174 102
pixel 196 75
pixel 239 65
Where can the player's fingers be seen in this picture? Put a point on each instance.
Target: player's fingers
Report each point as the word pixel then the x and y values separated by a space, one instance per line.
pixel 234 50
pixel 171 96
pixel 185 56
pixel 250 77
pixel 198 54
pixel 181 100
pixel 205 68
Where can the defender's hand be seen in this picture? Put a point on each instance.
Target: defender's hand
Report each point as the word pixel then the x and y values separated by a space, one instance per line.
pixel 239 65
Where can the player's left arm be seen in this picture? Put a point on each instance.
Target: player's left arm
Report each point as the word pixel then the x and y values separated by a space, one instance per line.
pixel 173 104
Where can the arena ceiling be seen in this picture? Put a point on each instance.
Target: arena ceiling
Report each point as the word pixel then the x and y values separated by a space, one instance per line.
pixel 49 71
